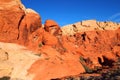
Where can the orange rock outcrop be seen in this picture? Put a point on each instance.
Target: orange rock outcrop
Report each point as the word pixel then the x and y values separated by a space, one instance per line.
pixel 63 51
pixel 17 22
pixel 52 27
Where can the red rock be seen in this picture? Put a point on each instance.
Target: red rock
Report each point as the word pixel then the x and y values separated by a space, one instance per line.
pixel 40 38
pixel 35 39
pixel 58 69
pixel 10 16
pixel 52 27
pixel 96 49
pixel 61 54
pixel 16 22
pixel 55 66
pixel 94 44
pixel 116 50
pixel 29 24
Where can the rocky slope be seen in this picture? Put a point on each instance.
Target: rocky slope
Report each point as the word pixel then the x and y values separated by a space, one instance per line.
pixel 88 25
pixel 49 52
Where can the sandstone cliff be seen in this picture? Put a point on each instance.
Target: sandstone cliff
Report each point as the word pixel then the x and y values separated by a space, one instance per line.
pixel 51 52
pixel 17 22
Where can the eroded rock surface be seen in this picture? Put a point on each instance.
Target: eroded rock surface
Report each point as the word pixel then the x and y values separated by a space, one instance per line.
pixel 52 27
pixel 17 22
pixel 88 25
pixel 15 61
pixel 29 24
pixel 55 52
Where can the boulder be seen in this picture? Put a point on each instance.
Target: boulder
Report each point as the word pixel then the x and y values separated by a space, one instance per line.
pixel 52 27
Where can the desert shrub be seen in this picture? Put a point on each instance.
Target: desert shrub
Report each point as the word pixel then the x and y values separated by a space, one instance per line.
pixel 5 78
pixel 64 49
pixel 87 69
pixel 82 59
pixel 41 44
pixel 39 54
pixel 47 58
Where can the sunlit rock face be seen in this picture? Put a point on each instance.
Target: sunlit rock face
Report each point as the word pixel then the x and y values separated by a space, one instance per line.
pixel 10 16
pixel 17 22
pixel 88 25
pixel 52 52
pixel 95 39
pixel 29 24
pixel 52 27
pixel 92 47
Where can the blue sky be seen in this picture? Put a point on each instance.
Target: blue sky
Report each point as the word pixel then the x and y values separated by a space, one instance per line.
pixel 70 11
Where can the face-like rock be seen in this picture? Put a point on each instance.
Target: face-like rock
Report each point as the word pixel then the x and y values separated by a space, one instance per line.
pixel 52 27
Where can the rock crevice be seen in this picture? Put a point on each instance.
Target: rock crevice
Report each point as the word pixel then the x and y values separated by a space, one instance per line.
pixel 22 17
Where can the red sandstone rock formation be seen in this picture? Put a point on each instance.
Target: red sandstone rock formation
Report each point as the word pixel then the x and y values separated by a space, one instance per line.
pixel 16 22
pixel 29 24
pixel 10 18
pixel 97 48
pixel 62 53
pixel 52 27
pixel 55 65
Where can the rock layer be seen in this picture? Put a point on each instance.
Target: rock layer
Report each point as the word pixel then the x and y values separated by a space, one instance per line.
pixel 88 25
